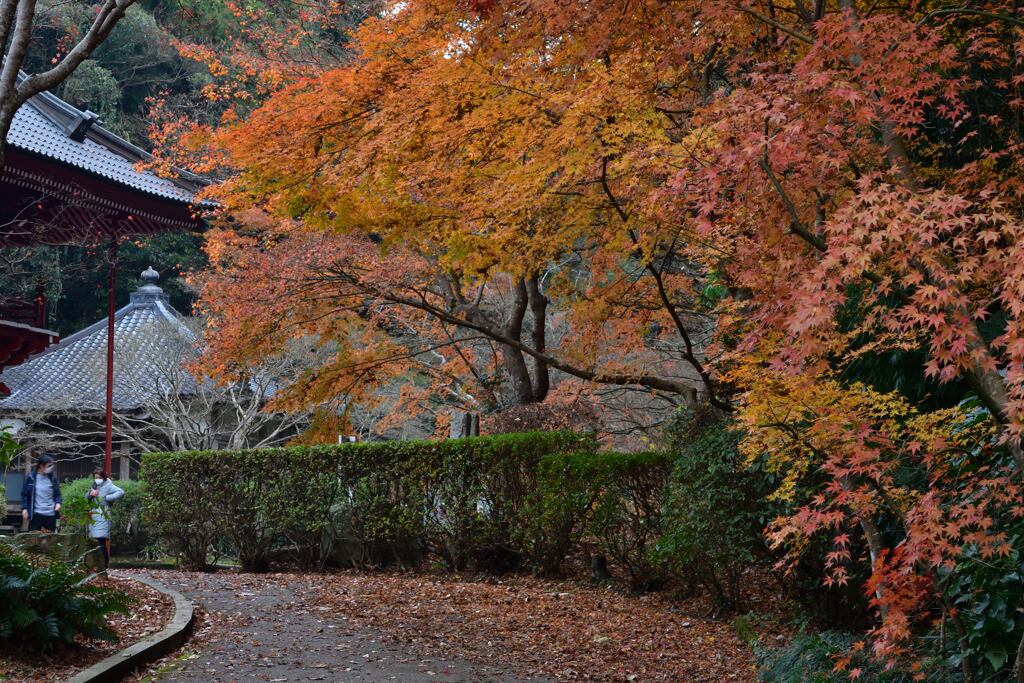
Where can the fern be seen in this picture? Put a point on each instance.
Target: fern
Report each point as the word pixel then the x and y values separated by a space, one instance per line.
pixel 44 606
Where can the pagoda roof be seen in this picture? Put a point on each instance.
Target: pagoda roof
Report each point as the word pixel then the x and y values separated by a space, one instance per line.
pixel 47 126
pixel 68 180
pixel 149 336
pixel 18 341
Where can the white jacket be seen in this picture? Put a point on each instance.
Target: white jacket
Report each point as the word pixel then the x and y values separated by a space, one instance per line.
pixel 99 517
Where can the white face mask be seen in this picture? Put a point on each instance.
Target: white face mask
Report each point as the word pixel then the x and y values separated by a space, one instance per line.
pixel 48 469
pixel 98 481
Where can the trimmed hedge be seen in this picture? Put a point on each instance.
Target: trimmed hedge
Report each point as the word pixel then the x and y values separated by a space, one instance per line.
pixel 627 519
pixel 493 504
pixel 461 502
pixel 613 499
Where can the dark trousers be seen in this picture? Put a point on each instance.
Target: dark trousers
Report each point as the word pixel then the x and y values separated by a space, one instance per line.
pixel 40 522
pixel 102 543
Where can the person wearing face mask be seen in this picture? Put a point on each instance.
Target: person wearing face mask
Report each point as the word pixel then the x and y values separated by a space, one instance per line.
pixel 40 497
pixel 102 493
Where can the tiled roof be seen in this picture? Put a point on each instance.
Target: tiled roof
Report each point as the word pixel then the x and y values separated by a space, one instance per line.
pixel 149 338
pixel 46 125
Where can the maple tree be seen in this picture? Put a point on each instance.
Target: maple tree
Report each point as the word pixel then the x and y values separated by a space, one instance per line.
pixel 746 198
pixel 244 52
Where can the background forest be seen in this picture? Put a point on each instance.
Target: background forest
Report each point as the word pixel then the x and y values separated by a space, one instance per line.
pixel 147 71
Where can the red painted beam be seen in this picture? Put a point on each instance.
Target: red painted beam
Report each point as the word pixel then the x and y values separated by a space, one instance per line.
pixel 111 301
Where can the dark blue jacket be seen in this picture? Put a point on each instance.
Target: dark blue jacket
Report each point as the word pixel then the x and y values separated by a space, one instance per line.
pixel 28 491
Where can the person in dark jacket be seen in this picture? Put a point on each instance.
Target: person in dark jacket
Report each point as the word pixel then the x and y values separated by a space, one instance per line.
pixel 40 497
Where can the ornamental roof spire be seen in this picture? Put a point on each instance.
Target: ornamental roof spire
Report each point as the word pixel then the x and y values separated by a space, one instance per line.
pixel 149 292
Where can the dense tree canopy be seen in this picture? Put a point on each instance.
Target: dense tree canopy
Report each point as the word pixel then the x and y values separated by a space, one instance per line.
pixel 758 202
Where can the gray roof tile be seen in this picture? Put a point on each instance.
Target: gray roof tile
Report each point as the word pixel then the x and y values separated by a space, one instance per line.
pixel 42 126
pixel 148 341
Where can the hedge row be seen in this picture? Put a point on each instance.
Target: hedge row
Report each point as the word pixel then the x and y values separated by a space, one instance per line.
pixel 458 501
pixel 614 500
pixel 486 503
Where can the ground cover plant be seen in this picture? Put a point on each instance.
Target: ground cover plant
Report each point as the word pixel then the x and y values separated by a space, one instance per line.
pixel 47 606
pixel 149 610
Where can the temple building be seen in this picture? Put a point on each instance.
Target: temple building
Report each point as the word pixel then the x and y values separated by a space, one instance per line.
pixel 22 332
pixel 68 180
pixel 57 398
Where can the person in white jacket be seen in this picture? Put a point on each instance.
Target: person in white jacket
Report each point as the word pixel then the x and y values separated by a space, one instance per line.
pixel 102 493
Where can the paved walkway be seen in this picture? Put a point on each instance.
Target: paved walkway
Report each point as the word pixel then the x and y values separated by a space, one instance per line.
pixel 271 629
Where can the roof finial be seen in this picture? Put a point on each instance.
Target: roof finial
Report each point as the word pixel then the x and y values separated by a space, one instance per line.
pixel 149 292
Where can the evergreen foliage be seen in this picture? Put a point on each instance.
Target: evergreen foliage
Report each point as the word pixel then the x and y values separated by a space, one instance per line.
pixel 811 658
pixel 716 507
pixel 43 607
pixel 461 499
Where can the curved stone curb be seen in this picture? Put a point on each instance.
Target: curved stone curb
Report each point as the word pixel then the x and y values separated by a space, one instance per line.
pixel 150 648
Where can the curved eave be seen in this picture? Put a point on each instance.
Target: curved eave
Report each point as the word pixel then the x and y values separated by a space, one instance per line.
pixel 43 201
pixel 48 126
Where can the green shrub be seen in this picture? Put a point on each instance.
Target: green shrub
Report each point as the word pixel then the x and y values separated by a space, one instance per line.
pixel 811 658
pixel 306 486
pixel 239 498
pixel 463 500
pixel 987 593
pixel 484 503
pixel 556 515
pixel 178 507
pixel 481 494
pixel 715 511
pixel 612 499
pixel 9 450
pixel 242 482
pixel 369 529
pixel 626 521
pixel 41 607
pixel 128 534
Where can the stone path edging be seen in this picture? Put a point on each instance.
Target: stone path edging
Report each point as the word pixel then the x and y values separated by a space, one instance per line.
pixel 150 648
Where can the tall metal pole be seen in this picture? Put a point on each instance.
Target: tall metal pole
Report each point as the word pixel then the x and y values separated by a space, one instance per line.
pixel 111 301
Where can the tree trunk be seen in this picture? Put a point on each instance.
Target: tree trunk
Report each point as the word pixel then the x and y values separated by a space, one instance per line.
pixel 875 545
pixel 538 313
pixel 16 21
pixel 513 358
